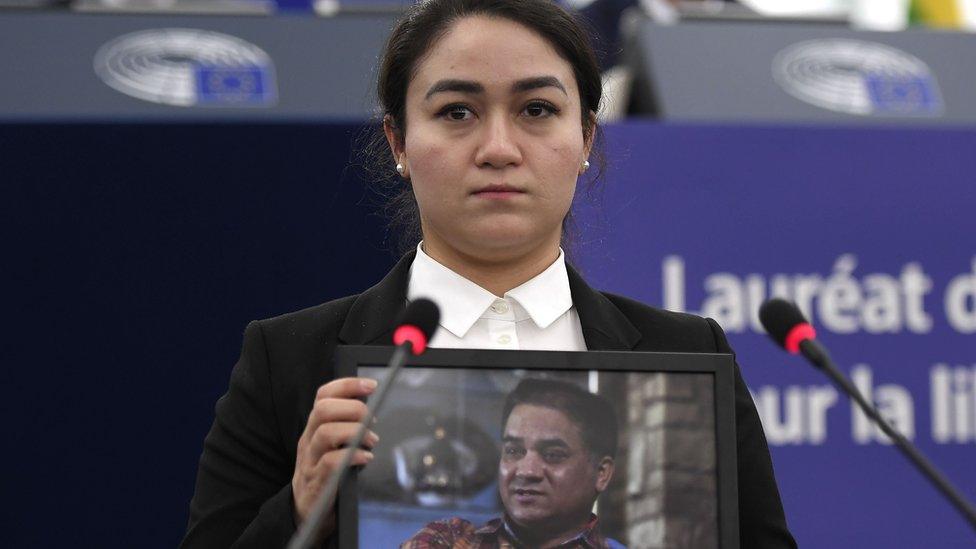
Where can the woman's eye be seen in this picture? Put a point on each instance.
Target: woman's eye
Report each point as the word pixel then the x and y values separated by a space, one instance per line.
pixel 540 109
pixel 457 112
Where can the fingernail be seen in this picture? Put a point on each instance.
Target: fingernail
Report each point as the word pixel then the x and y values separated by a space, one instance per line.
pixel 373 438
pixel 368 384
pixel 368 455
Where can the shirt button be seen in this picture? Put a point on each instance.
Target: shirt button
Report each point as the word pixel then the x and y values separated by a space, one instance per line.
pixel 504 339
pixel 500 307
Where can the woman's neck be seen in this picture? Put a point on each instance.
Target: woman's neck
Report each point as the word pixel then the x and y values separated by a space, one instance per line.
pixel 497 274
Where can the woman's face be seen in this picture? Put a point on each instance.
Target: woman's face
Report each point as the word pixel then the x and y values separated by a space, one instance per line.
pixel 494 141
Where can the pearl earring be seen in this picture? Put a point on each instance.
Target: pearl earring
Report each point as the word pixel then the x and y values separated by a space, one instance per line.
pixel 586 166
pixel 400 168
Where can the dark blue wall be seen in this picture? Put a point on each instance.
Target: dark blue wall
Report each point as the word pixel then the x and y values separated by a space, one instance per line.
pixel 133 256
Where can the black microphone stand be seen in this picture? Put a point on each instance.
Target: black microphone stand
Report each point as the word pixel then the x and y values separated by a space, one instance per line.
pixel 819 356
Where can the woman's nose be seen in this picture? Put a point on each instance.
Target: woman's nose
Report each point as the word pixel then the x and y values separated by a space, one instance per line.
pixel 499 147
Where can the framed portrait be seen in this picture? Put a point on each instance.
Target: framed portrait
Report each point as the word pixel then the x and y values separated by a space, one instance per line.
pixel 630 449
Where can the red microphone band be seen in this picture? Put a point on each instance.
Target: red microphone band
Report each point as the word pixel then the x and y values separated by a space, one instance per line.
pixel 798 334
pixel 412 334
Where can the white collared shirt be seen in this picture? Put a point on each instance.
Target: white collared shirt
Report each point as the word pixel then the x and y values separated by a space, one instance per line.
pixel 538 315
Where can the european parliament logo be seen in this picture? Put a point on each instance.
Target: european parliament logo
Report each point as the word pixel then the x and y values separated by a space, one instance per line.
pixel 187 68
pixel 858 77
pixel 218 85
pixel 902 94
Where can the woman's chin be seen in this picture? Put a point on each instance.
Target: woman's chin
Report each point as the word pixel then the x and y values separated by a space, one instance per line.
pixel 511 238
pixel 494 240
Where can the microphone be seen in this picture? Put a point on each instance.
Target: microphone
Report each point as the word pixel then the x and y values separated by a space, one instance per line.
pixel 415 326
pixel 790 330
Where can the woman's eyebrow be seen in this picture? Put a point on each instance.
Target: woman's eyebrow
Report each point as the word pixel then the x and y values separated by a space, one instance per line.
pixel 537 82
pixel 452 85
pixel 472 87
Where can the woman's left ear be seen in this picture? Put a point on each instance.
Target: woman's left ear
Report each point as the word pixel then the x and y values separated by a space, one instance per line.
pixel 588 139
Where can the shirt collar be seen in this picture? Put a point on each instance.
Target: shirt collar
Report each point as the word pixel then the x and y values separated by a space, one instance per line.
pixel 545 297
pixel 461 301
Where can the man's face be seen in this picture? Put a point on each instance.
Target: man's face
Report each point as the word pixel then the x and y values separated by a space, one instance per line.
pixel 547 479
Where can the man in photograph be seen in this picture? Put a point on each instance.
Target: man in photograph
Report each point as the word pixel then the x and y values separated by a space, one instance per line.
pixel 558 448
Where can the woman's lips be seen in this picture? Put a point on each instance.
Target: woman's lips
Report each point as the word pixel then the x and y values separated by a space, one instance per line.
pixel 498 192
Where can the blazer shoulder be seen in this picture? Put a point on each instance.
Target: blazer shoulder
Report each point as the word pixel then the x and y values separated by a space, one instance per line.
pixel 316 321
pixel 664 330
pixel 637 310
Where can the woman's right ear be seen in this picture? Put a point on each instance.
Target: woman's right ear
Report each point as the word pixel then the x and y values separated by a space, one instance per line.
pixel 394 137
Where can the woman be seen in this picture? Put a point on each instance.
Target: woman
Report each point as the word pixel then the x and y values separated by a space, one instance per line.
pixel 490 119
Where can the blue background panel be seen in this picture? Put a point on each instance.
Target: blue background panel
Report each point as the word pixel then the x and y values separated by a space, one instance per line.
pixel 136 254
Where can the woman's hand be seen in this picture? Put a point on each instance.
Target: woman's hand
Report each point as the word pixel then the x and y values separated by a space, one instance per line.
pixel 333 422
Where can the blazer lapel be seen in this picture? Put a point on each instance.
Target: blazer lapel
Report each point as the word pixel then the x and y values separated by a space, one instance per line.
pixel 370 319
pixel 605 328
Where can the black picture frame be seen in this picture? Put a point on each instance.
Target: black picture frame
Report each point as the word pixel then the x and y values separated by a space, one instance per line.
pixel 704 392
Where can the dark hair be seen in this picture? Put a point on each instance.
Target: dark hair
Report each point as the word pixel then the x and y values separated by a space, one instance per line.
pixel 593 414
pixel 415 32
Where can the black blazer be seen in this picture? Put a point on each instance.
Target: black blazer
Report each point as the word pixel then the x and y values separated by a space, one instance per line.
pixel 243 495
